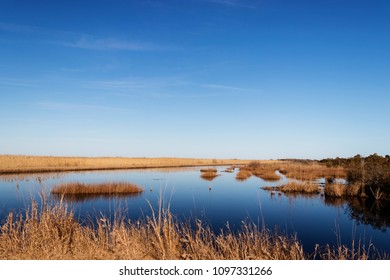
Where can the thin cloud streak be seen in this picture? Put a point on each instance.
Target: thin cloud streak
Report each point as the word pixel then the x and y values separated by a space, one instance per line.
pixel 82 40
pixel 136 84
pixel 18 83
pixel 36 30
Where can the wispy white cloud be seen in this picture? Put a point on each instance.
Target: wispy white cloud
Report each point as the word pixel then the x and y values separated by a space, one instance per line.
pixel 14 82
pixel 18 28
pixel 95 68
pixel 82 40
pixel 136 83
pixel 36 30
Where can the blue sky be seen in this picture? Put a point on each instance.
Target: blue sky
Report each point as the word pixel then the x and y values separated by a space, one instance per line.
pixel 195 78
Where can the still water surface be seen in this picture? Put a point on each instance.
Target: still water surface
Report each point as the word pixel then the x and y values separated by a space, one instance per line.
pixel 221 202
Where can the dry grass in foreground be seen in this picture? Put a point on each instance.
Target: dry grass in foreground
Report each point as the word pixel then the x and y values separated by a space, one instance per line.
pixel 10 164
pixel 96 189
pixel 52 233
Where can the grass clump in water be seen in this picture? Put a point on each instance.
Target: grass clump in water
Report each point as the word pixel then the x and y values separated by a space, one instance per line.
pixel 209 174
pixel 342 190
pixel 259 169
pixel 243 174
pixel 302 187
pixel 112 188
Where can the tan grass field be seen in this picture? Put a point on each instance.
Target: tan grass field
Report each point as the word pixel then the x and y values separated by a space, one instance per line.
pixel 310 171
pixel 10 164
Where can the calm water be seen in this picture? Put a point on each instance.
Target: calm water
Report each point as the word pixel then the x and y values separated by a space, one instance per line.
pixel 314 219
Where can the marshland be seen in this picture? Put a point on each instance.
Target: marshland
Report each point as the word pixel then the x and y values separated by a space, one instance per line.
pixel 284 209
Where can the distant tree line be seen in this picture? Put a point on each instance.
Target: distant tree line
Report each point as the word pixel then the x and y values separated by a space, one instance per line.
pixel 371 172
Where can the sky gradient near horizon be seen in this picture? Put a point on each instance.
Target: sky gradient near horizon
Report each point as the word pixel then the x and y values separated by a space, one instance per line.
pixel 248 79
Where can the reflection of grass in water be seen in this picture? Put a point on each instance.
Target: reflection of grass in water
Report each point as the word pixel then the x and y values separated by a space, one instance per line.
pixel 335 201
pixel 209 176
pixel 296 195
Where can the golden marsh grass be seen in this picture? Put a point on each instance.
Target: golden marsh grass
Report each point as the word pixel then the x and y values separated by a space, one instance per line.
pixel 303 187
pixel 295 187
pixel 209 170
pixel 243 175
pixel 209 174
pixel 111 188
pixel 266 174
pixel 341 190
pixel 53 233
pixel 26 164
pixel 310 171
pixel 264 170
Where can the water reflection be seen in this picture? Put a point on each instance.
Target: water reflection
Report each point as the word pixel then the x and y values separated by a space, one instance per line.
pixel 297 195
pixel 334 201
pixel 370 212
pixel 209 177
pixel 224 201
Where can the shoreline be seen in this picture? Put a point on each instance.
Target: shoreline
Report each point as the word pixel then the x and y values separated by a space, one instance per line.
pixel 13 165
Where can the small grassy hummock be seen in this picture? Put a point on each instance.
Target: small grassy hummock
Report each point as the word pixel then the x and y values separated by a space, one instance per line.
pixel 111 188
